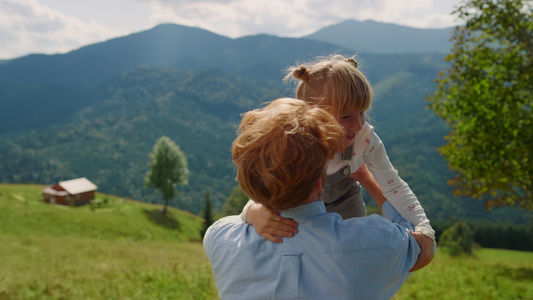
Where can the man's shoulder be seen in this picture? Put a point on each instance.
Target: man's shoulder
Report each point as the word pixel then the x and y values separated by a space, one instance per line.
pixel 224 226
pixel 356 235
pixel 371 227
pixel 228 222
pixel 372 221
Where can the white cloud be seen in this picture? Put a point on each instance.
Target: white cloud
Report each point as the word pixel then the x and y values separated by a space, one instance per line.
pixel 27 26
pixel 230 18
pixel 296 18
pixel 414 13
pixel 430 21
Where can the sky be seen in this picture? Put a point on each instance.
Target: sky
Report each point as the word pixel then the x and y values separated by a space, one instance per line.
pixel 60 26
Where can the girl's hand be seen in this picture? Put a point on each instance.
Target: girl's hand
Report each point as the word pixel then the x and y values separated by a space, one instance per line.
pixel 270 225
pixel 427 253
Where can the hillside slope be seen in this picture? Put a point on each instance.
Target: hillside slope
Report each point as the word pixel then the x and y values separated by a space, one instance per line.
pixel 23 213
pixel 119 249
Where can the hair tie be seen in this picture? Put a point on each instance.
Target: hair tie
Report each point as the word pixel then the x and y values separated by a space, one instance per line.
pixel 301 73
pixel 352 61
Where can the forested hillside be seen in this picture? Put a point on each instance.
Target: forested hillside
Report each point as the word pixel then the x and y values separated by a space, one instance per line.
pixel 109 140
pixel 100 117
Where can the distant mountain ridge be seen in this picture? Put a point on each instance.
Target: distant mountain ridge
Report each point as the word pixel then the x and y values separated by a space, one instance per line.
pixel 193 48
pixel 168 45
pixel 96 63
pixel 384 38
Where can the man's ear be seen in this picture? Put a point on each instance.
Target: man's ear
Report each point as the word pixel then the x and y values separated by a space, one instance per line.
pixel 319 186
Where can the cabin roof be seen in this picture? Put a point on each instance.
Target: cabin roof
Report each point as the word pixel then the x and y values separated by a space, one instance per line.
pixel 77 186
pixel 49 190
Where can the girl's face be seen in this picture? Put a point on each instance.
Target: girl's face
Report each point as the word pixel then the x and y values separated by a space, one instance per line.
pixel 352 122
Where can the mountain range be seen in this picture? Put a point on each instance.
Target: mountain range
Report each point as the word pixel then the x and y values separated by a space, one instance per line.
pixel 97 111
pixel 383 38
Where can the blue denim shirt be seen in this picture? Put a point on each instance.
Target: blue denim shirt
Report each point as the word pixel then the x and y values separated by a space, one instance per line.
pixel 359 258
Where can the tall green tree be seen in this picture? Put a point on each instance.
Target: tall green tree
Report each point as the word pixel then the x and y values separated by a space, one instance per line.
pixel 168 169
pixel 207 213
pixel 486 97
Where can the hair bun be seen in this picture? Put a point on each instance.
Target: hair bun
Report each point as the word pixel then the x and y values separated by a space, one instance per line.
pixel 352 61
pixel 301 73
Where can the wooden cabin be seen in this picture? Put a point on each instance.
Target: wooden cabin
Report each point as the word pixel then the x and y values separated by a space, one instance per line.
pixel 71 192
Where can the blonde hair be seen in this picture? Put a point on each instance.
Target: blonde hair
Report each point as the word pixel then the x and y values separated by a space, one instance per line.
pixel 334 82
pixel 281 151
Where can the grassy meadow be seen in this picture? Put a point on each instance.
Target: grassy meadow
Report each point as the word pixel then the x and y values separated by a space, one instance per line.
pixel 119 249
pixel 124 249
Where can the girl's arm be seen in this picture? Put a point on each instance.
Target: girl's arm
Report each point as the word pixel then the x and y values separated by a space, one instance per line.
pixel 268 224
pixel 396 191
pixel 392 186
pixel 366 179
pixel 426 244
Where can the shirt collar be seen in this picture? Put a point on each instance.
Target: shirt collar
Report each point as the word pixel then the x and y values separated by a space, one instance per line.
pixel 305 211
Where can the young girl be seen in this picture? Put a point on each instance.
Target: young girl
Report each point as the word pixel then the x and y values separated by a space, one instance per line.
pixel 336 84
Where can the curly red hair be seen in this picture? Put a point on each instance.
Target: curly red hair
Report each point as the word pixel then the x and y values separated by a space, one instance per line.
pixel 281 151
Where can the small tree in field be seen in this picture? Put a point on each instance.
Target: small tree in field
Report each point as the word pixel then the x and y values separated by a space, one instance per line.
pixel 207 213
pixel 459 239
pixel 486 97
pixel 168 169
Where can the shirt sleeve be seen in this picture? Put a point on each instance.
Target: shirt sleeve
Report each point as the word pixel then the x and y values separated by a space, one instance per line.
pixel 372 151
pixel 245 210
pixel 404 254
pixel 216 231
pixel 391 214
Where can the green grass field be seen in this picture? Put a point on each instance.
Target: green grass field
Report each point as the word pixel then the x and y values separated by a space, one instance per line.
pixel 121 249
pixel 127 250
pixel 488 274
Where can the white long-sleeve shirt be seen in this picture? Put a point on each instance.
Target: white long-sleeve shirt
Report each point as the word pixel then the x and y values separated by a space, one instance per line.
pixel 369 149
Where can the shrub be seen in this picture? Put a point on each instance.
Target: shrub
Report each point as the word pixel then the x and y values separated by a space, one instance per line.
pixel 458 238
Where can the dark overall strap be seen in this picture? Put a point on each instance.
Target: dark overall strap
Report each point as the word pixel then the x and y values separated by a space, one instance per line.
pixel 342 193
